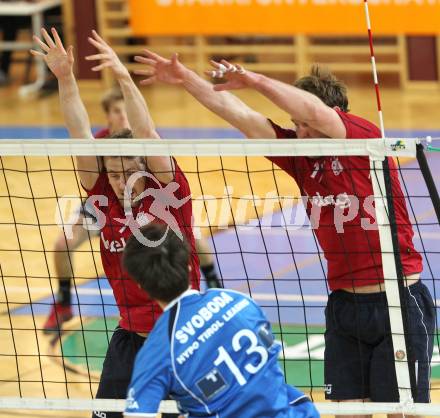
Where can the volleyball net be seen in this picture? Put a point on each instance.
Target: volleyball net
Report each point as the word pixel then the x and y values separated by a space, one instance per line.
pixel 262 239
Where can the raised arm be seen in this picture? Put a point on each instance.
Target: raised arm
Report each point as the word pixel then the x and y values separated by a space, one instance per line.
pixel 224 104
pixel 60 62
pixel 139 117
pixel 302 106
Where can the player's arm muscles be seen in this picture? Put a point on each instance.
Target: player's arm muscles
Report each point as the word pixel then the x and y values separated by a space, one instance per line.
pixel 225 104
pixel 301 105
pixel 229 107
pixel 143 126
pixel 138 114
pixel 78 124
pixel 60 62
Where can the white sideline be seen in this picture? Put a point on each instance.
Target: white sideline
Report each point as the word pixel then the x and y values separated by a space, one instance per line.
pixel 108 292
pixel 282 297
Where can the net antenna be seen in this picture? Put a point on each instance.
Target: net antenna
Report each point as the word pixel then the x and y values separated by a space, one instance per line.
pixel 394 279
pixel 374 68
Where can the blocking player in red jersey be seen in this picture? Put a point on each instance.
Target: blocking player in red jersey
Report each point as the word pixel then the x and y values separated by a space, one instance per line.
pixel 122 190
pixel 70 239
pixel 359 359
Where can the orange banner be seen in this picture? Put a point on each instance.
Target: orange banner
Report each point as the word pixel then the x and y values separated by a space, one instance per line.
pixel 283 17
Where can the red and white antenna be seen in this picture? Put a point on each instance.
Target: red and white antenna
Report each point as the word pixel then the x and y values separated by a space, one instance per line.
pixel 373 64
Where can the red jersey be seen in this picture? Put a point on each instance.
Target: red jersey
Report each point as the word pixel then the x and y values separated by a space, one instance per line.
pixel 102 133
pixel 138 312
pixel 332 186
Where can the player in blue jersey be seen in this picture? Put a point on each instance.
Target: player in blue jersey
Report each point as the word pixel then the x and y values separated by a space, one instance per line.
pixel 214 353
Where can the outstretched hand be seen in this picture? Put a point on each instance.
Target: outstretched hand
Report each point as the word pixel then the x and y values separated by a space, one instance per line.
pixel 59 61
pixel 235 75
pixel 107 57
pixel 170 71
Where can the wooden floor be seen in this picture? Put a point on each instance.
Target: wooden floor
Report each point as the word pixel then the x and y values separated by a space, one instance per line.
pixel 173 107
pixel 170 107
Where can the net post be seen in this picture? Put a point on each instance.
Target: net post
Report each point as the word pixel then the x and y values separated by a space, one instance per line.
pixel 392 271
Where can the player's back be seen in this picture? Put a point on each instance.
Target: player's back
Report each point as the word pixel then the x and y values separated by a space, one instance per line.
pixel 224 359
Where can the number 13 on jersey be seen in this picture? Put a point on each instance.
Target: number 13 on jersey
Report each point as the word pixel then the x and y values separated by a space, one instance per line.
pixel 254 348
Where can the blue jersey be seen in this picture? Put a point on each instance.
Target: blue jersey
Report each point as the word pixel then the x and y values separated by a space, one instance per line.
pixel 215 354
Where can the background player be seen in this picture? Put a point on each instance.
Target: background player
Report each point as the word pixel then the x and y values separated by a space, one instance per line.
pixel 61 311
pixel 359 357
pixel 214 353
pixel 105 180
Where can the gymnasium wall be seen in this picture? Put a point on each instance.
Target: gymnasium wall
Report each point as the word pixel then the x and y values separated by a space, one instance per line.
pixel 416 57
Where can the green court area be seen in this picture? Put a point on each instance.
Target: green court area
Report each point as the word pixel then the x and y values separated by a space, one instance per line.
pixel 302 362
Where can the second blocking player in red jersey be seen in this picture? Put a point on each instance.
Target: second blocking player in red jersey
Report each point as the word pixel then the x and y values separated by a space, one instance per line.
pixel 122 205
pixel 359 358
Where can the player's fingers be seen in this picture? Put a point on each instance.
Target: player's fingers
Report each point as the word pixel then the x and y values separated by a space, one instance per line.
pixel 222 68
pixel 37 53
pixel 152 55
pixel 97 37
pixel 101 47
pixel 240 69
pixel 47 38
pixel 70 52
pixel 40 43
pixel 102 66
pixel 230 68
pixel 144 60
pixel 97 57
pixel 215 64
pixel 175 58
pixel 57 38
pixel 144 72
pixel 219 66
pixel 148 81
pixel 215 73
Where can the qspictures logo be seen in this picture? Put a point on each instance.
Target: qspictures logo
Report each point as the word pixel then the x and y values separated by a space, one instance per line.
pixel 89 215
pixel 211 211
pixel 163 199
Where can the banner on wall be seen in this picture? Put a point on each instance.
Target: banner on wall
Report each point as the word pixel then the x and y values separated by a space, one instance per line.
pixel 283 17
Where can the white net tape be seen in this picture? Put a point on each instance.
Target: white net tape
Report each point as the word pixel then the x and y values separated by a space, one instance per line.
pixel 374 148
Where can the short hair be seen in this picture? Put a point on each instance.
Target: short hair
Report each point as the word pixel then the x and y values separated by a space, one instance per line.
pixel 161 271
pixel 123 134
pixel 110 97
pixel 322 83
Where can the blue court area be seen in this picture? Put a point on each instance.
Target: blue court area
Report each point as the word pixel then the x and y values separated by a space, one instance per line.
pixel 45 132
pixel 280 265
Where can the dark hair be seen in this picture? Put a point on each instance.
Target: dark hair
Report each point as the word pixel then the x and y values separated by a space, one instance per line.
pixel 124 134
pixel 161 271
pixel 322 83
pixel 110 97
